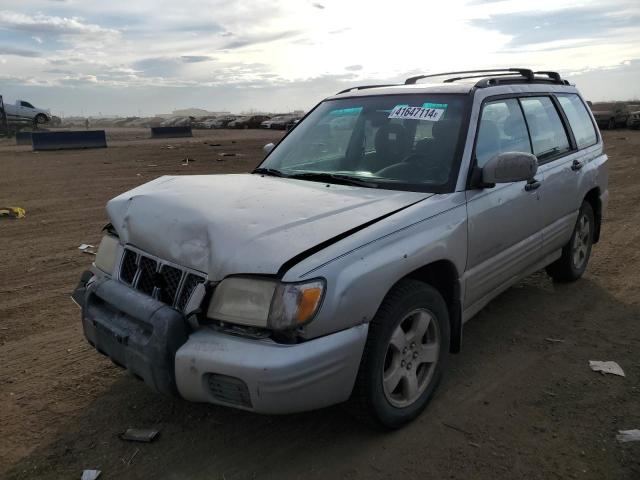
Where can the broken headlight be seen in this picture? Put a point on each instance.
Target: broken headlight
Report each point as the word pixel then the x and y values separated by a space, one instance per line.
pixel 107 255
pixel 266 303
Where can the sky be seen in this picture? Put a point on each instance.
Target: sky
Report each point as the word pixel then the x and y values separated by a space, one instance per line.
pixel 143 57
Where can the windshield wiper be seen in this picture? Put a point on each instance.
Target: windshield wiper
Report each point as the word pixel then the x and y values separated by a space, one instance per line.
pixel 333 178
pixel 269 171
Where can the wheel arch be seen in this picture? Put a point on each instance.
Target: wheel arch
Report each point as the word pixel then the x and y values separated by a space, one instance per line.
pixel 593 198
pixel 443 276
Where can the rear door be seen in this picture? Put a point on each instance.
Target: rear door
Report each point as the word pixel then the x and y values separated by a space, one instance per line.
pixel 504 221
pixel 560 128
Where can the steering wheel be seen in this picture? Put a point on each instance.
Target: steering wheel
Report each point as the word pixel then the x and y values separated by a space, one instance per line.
pixel 407 168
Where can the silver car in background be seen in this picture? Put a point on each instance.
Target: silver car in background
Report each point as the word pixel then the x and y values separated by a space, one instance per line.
pixel 344 267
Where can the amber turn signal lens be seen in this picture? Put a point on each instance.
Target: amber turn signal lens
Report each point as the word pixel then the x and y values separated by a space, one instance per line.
pixel 308 304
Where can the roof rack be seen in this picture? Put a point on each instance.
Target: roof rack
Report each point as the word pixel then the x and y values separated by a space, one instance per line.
pixel 525 72
pixel 493 76
pixel 365 87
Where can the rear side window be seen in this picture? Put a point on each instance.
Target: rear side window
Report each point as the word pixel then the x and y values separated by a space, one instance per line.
pixel 502 129
pixel 548 136
pixel 579 119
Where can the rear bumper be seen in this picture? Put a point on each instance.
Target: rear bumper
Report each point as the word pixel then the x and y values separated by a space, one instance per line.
pixel 153 341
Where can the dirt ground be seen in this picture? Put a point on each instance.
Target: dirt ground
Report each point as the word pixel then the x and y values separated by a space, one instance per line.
pixel 513 405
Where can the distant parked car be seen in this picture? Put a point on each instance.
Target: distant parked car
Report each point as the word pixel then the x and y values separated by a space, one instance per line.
pixel 222 122
pixel 253 121
pixel 634 116
pixel 610 115
pixel 22 111
pixel 280 122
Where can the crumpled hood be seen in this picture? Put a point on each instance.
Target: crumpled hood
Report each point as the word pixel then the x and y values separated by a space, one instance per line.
pixel 231 224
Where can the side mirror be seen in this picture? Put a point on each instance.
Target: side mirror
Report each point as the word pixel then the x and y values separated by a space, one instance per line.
pixel 268 147
pixel 510 167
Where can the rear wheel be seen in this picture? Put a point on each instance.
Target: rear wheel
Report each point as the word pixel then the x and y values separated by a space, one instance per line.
pixel 575 254
pixel 40 119
pixel 405 355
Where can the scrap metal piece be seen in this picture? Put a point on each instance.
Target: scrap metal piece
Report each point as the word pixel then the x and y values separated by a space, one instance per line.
pixel 606 367
pixel 140 434
pixel 625 436
pixel 90 474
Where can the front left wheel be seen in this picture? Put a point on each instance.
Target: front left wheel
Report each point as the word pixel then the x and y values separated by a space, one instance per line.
pixel 405 355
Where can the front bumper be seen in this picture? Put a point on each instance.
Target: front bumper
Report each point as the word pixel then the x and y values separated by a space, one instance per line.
pixel 154 342
pixel 274 378
pixel 136 331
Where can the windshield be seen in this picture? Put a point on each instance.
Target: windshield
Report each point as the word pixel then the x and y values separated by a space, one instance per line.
pixel 407 142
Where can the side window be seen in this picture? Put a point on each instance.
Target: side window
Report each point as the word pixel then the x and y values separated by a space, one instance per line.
pixel 548 136
pixel 579 119
pixel 502 129
pixel 27 104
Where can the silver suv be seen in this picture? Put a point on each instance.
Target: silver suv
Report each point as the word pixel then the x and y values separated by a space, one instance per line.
pixel 344 267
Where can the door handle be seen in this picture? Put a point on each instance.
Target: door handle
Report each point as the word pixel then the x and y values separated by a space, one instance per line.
pixel 576 165
pixel 532 185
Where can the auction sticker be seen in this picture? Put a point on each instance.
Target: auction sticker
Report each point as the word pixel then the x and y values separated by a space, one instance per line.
pixel 416 113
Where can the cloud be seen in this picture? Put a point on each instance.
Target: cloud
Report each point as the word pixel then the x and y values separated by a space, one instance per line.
pixel 257 39
pixel 196 58
pixel 318 6
pixel 579 23
pixel 19 52
pixel 45 25
pixel 353 68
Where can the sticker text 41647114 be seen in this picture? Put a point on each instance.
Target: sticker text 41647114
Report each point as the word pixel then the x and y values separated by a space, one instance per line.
pixel 416 113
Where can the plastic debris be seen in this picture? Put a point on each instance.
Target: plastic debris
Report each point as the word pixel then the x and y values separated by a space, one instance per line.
pixel 86 248
pixel 554 340
pixel 606 367
pixel 140 434
pixel 90 474
pixel 12 212
pixel 625 436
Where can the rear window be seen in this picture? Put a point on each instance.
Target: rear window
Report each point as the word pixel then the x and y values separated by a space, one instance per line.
pixel 579 119
pixel 548 136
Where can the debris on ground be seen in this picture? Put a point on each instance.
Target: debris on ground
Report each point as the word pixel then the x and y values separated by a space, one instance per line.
pixel 606 367
pixel 554 340
pixel 152 165
pixel 168 147
pixel 128 462
pixel 456 428
pixel 140 434
pixel 90 474
pixel 215 144
pixel 224 154
pixel 625 436
pixel 12 212
pixel 86 248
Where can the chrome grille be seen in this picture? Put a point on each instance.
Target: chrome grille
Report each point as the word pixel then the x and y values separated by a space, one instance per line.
pixel 190 283
pixel 168 283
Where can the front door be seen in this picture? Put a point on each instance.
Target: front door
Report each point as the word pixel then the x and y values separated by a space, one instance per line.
pixel 504 221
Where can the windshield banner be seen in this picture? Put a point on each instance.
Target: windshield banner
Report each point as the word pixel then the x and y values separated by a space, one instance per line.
pixel 416 113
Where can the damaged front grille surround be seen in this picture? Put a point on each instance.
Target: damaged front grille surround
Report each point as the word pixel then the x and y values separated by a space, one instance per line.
pixel 168 283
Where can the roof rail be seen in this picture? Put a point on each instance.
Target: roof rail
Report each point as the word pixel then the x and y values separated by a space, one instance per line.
pixel 365 87
pixel 455 79
pixel 525 72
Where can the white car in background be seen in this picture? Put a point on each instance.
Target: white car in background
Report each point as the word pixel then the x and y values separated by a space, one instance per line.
pixel 23 111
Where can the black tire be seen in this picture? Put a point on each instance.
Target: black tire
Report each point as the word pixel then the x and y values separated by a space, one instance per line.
pixel 369 402
pixel 565 269
pixel 41 118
